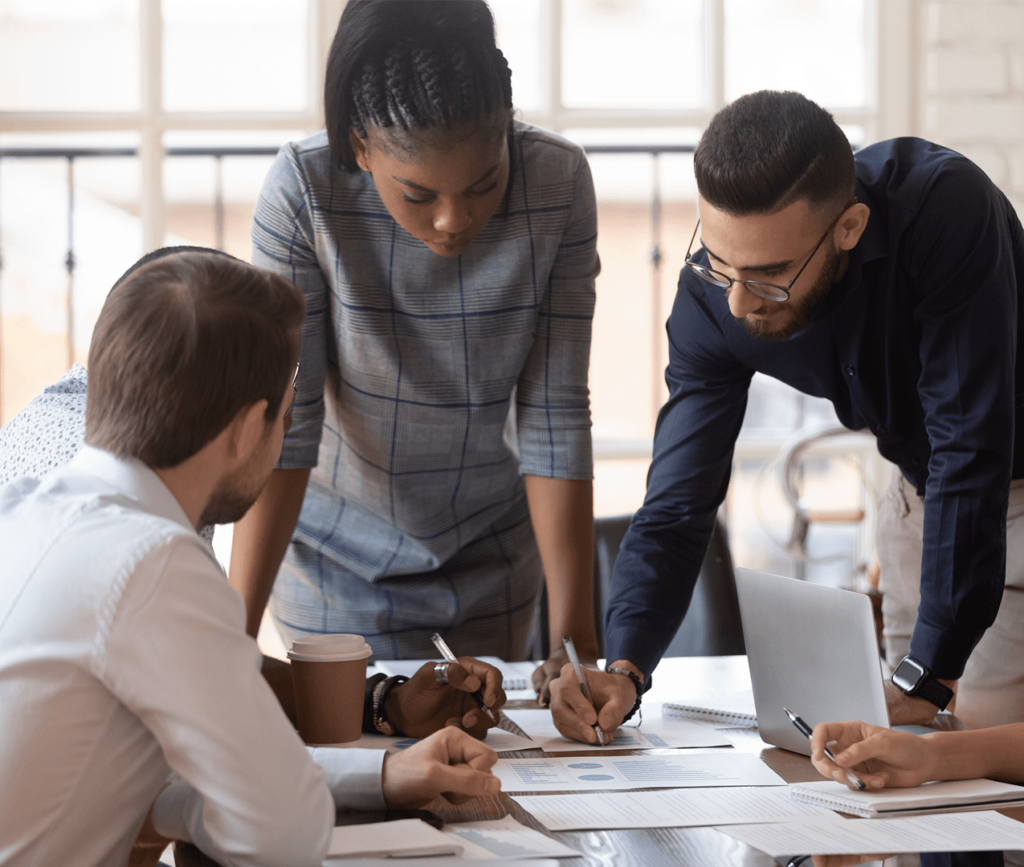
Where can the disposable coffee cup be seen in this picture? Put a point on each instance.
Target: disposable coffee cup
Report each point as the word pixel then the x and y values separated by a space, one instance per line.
pixel 329 677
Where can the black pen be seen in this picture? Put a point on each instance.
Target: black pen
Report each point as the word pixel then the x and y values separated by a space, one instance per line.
pixel 806 731
pixel 478 696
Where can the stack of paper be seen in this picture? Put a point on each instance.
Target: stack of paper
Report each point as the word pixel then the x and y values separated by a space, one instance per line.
pixel 591 774
pixel 403 838
pixel 413 838
pixel 654 733
pixel 949 797
pixel 959 832
pixel 682 808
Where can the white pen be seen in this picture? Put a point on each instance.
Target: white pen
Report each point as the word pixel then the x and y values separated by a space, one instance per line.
pixel 570 650
pixel 478 696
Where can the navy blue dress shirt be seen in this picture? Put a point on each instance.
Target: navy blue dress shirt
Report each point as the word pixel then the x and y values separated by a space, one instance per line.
pixel 916 343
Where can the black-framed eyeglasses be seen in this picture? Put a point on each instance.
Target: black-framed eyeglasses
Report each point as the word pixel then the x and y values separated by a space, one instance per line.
pixel 291 406
pixel 771 291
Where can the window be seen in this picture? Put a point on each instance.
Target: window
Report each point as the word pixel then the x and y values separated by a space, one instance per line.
pixel 187 89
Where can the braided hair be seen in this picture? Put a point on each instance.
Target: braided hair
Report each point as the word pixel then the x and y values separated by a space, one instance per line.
pixel 413 66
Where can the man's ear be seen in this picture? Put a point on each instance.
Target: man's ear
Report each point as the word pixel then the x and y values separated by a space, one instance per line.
pixel 360 147
pixel 248 429
pixel 852 226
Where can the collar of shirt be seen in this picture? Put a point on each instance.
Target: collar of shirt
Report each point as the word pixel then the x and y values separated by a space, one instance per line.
pixel 132 478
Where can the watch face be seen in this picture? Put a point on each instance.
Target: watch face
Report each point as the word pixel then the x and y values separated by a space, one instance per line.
pixel 908 675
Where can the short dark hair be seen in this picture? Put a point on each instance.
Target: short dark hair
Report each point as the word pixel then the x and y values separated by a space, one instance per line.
pixel 183 342
pixel 769 149
pixel 415 65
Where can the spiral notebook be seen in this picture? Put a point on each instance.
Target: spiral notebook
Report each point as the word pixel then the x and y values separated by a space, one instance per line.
pixel 734 709
pixel 949 797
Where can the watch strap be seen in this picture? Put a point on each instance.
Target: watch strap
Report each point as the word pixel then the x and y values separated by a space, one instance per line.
pixel 931 690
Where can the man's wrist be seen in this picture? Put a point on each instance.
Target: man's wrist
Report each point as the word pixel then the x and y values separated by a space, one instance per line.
pixel 914 679
pixel 625 663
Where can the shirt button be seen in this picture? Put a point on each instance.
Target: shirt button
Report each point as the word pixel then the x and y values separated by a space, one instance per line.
pixel 851 370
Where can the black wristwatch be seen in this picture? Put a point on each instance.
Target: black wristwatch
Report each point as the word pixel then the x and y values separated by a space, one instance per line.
pixel 912 678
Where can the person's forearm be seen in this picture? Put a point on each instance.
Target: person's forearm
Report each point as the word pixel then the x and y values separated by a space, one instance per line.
pixel 562 513
pixel 261 539
pixel 996 753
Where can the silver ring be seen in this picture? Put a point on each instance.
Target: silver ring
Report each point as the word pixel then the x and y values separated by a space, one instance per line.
pixel 441 673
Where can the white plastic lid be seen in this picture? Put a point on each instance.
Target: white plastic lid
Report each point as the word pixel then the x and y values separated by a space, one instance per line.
pixel 330 648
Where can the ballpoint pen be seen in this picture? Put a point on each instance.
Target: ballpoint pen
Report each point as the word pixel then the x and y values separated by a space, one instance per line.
pixel 478 696
pixel 806 731
pixel 570 650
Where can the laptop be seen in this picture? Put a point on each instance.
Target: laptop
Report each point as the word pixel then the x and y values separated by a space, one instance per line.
pixel 812 649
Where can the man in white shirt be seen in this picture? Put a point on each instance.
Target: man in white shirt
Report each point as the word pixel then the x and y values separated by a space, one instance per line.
pixel 123 655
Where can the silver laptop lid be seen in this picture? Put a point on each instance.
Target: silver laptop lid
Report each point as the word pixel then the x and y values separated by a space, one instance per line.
pixel 812 649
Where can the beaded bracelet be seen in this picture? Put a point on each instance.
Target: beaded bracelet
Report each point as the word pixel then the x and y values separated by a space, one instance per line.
pixel 371 685
pixel 380 696
pixel 625 672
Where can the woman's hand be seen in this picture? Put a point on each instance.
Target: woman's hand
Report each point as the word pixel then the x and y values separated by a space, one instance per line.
pixel 881 757
pixel 421 706
pixel 448 763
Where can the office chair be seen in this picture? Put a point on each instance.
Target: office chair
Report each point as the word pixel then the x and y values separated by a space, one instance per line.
pixel 712 623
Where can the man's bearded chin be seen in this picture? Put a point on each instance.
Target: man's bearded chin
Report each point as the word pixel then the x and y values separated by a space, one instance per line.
pixel 228 503
pixel 800 314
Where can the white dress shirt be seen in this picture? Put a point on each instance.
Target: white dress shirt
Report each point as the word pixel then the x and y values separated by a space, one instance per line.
pixel 123 657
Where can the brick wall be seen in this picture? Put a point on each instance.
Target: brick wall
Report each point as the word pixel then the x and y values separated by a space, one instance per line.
pixel 972 94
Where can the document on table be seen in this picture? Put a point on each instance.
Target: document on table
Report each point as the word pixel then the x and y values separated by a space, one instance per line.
pixel 655 733
pixel 589 773
pixel 403 838
pixel 505 838
pixel 683 808
pixel 951 832
pixel 497 739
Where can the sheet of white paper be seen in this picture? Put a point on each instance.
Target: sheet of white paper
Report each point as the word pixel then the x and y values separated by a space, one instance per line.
pixel 443 861
pixel 506 838
pixel 498 740
pixel 590 773
pixel 951 832
pixel 682 808
pixel 402 838
pixel 656 732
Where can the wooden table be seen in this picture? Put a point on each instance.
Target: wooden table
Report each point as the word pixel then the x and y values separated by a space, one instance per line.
pixel 687 676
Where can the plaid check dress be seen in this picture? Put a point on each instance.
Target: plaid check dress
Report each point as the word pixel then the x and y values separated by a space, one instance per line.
pixel 428 387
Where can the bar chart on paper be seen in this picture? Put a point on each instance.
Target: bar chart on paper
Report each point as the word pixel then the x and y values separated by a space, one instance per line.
pixel 633 772
pixel 507 839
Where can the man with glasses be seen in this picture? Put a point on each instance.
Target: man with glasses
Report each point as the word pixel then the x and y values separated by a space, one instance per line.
pixel 888 283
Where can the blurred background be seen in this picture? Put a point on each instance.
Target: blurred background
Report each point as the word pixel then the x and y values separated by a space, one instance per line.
pixel 129 124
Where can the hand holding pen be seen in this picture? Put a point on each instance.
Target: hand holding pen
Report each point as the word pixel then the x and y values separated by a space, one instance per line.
pixel 446 652
pixel 807 732
pixel 574 659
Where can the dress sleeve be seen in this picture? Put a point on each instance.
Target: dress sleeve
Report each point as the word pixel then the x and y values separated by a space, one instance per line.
pixel 283 240
pixel 965 313
pixel 661 553
pixel 553 399
pixel 177 656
